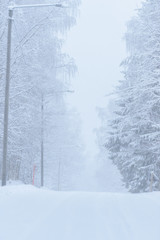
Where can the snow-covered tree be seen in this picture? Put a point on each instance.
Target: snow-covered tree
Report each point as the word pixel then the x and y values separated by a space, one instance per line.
pixel 38 68
pixel 108 176
pixel 134 139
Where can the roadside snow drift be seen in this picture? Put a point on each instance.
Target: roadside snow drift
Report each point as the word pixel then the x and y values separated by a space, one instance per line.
pixel 27 213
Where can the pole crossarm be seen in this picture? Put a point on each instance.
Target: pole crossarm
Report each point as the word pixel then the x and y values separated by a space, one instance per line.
pixel 36 5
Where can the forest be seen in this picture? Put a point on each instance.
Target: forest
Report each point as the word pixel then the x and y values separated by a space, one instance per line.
pixel 79 135
pixel 42 129
pixel 133 126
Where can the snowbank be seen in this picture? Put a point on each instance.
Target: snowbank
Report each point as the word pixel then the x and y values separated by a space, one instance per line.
pixel 27 213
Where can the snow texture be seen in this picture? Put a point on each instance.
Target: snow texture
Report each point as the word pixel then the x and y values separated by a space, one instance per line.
pixel 39 214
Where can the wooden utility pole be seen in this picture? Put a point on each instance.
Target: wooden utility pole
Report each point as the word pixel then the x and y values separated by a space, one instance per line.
pixel 6 103
pixel 42 142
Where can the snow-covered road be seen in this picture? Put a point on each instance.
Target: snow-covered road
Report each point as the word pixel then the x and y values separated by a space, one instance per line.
pixel 28 213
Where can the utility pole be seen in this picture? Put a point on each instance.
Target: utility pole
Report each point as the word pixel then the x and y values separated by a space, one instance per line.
pixel 6 103
pixel 7 86
pixel 42 142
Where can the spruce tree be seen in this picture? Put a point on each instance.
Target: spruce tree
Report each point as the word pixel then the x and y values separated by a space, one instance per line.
pixel 134 140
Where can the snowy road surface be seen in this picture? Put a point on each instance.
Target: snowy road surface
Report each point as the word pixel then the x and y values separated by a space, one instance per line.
pixel 27 213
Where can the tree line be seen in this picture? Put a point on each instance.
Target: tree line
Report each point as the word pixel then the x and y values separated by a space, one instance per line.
pixel 40 79
pixel 132 133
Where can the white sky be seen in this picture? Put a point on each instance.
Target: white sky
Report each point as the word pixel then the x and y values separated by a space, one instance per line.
pixel 96 45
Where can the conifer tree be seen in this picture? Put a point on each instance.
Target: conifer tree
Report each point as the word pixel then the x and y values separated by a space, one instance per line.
pixel 134 139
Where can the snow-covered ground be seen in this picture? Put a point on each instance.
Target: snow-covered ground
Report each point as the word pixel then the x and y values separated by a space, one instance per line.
pixel 28 213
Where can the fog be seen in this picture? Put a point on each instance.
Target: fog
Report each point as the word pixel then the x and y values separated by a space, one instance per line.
pixel 96 43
